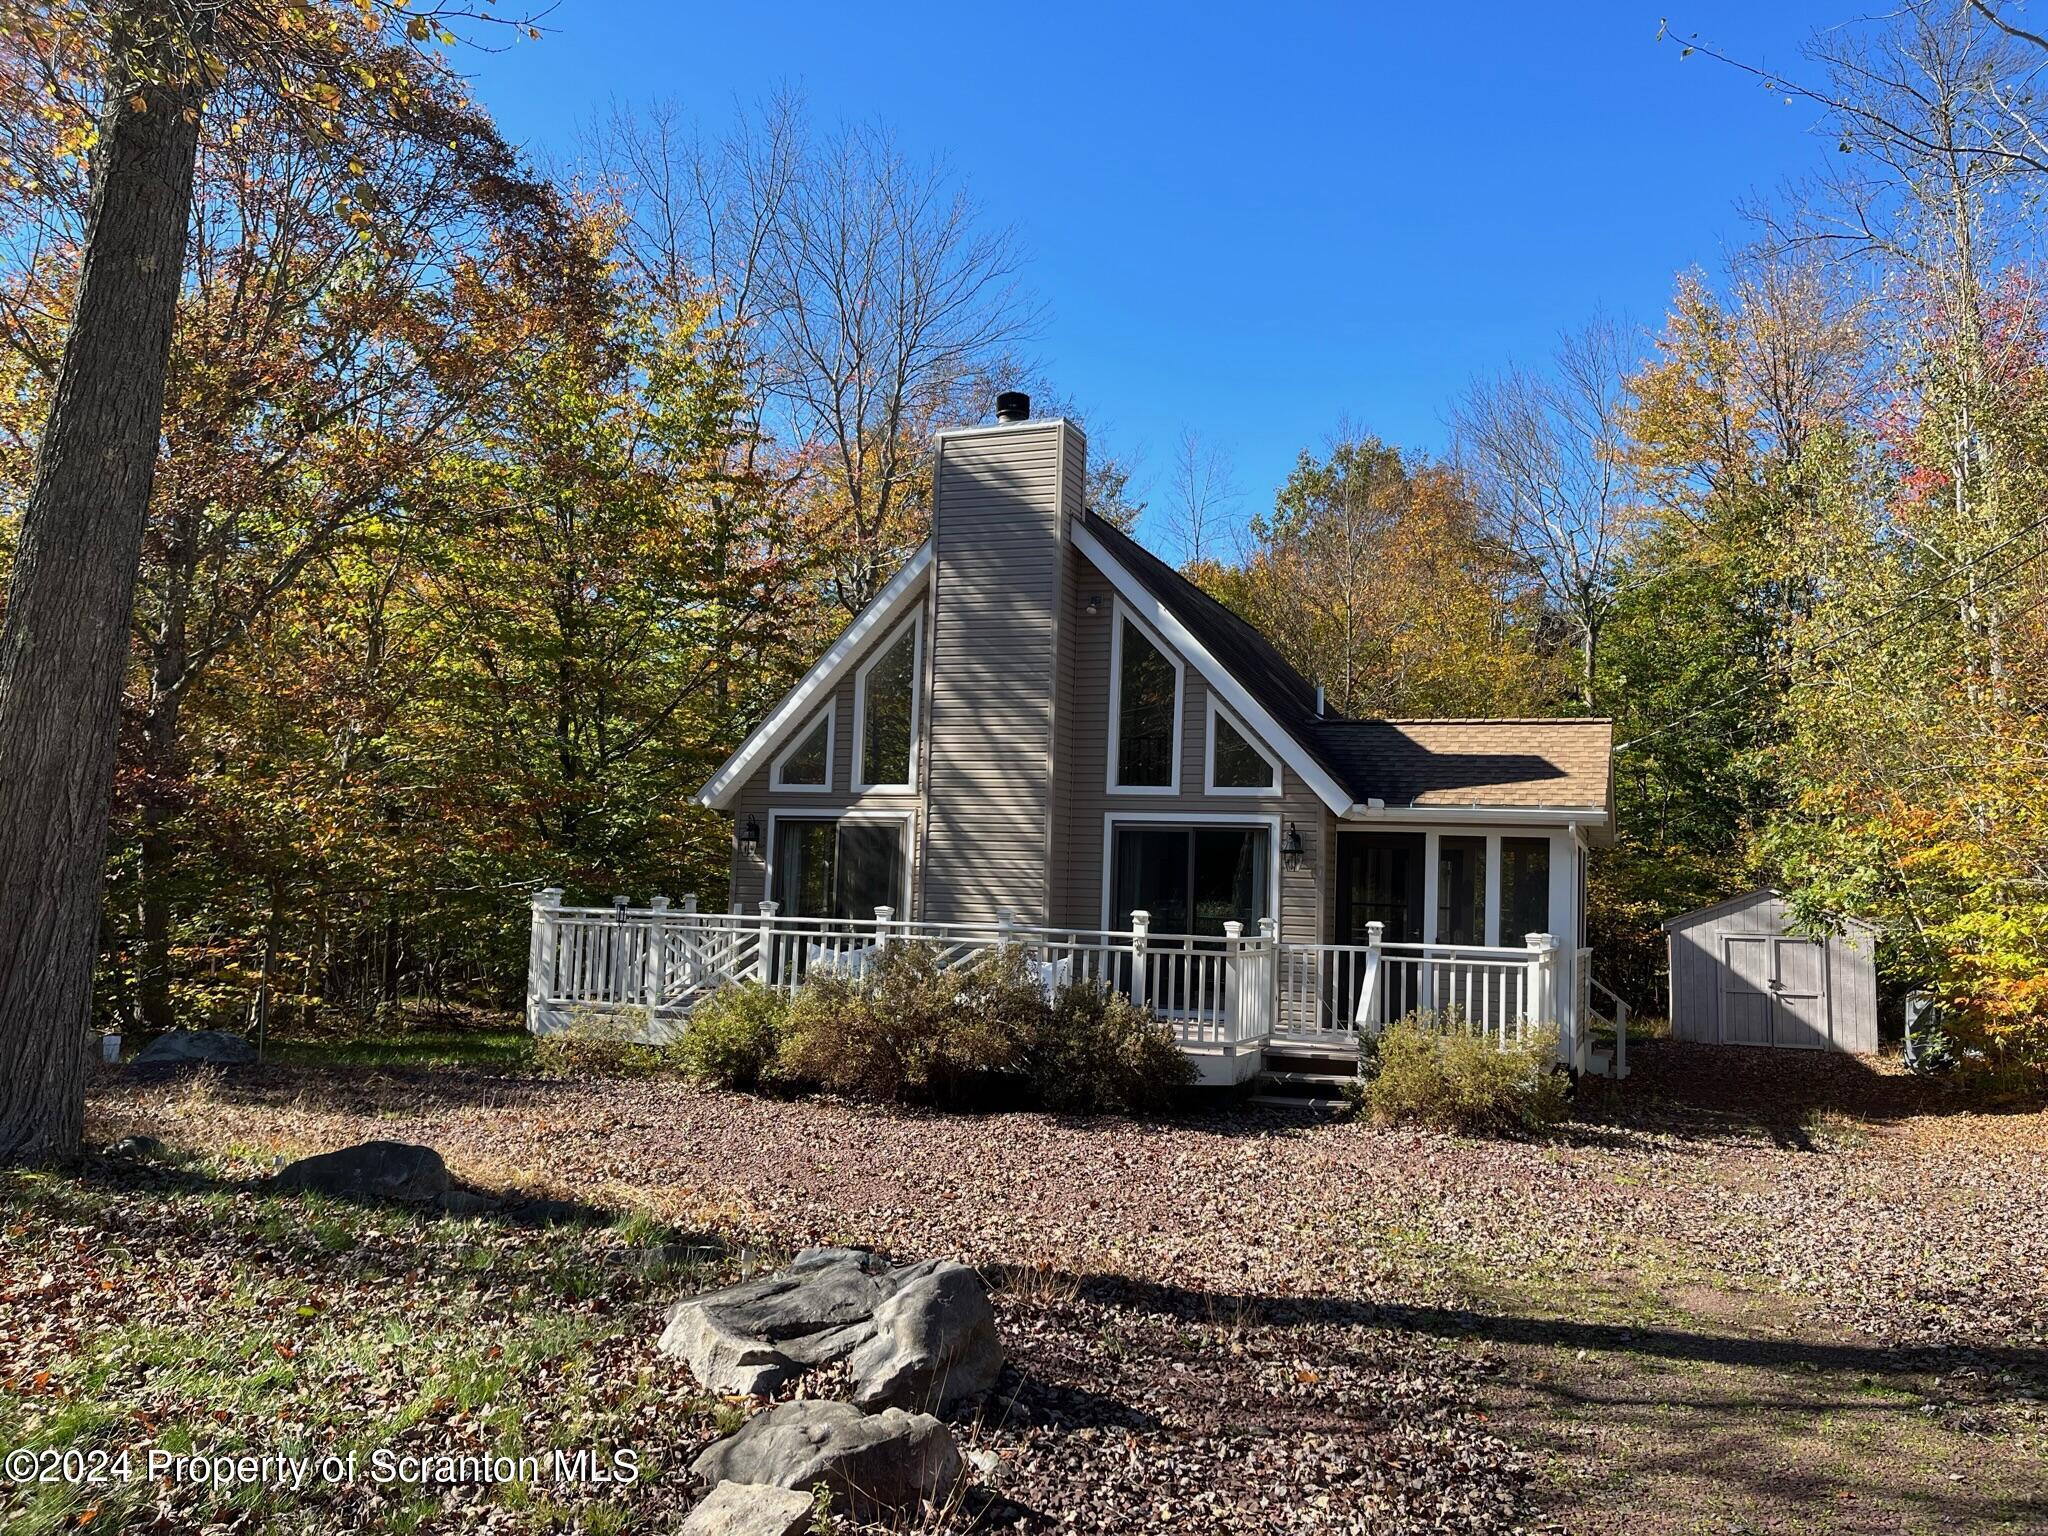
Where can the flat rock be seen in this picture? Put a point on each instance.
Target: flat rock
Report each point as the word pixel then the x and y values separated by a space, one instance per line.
pixel 190 1047
pixel 385 1171
pixel 750 1509
pixel 875 1465
pixel 933 1345
pixel 758 1336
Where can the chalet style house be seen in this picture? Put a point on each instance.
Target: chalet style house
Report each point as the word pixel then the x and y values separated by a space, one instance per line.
pixel 1039 733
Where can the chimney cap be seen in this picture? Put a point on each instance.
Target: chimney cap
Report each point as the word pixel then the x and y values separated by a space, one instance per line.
pixel 1013 405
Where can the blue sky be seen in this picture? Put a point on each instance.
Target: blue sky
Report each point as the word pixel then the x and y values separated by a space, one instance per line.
pixel 1259 222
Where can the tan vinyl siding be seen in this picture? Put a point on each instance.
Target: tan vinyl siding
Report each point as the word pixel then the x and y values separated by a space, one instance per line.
pixel 757 799
pixel 998 534
pixel 1080 869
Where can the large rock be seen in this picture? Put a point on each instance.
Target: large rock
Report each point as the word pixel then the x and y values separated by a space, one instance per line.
pixel 191 1047
pixel 934 1344
pixel 919 1337
pixel 750 1509
pixel 385 1171
pixel 875 1465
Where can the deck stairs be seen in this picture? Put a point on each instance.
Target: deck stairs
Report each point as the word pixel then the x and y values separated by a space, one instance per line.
pixel 1305 1075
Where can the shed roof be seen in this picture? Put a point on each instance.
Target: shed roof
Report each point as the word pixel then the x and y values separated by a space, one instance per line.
pixel 1749 899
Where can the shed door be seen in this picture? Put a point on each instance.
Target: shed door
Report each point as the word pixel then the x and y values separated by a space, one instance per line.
pixel 1800 994
pixel 1745 989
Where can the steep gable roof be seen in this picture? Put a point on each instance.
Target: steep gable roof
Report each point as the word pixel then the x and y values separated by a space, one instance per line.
pixel 1543 764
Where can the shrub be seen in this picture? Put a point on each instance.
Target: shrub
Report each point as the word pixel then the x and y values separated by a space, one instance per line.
pixel 1430 1069
pixel 1098 1052
pixel 733 1036
pixel 913 1031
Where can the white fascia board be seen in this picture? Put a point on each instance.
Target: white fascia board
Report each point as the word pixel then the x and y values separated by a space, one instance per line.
pixel 797 706
pixel 1214 673
pixel 1525 815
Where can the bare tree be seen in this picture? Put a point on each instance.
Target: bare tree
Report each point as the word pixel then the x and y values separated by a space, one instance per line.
pixel 1548 455
pixel 1201 492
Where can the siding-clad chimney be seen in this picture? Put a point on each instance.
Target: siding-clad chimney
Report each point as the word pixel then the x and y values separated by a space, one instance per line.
pixel 1002 498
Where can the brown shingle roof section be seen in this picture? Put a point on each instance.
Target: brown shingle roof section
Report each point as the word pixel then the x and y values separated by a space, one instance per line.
pixel 1535 763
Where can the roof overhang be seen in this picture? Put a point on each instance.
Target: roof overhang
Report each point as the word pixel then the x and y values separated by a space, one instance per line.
pixel 1586 817
pixel 1219 678
pixel 797 706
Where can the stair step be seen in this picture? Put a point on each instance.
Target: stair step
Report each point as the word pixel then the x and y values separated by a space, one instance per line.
pixel 1331 1079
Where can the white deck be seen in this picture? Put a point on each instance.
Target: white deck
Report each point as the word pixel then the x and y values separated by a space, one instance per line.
pixel 636 973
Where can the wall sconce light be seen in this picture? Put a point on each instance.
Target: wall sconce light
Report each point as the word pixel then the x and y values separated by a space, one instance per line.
pixel 1094 602
pixel 750 837
pixel 1292 853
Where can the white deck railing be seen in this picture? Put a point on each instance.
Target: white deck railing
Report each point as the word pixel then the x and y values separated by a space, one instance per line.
pixel 639 971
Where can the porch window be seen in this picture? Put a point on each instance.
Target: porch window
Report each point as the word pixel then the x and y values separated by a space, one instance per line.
pixel 808 763
pixel 886 710
pixel 1147 714
pixel 1524 888
pixel 1461 890
pixel 1192 879
pixel 838 867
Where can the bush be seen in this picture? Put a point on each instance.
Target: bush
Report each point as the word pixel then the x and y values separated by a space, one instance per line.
pixel 1098 1052
pixel 1430 1069
pixel 733 1036
pixel 913 1031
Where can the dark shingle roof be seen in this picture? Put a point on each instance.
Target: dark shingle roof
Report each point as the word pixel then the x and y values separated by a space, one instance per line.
pixel 1525 763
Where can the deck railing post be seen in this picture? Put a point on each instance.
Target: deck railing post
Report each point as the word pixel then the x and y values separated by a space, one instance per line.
pixel 1367 1014
pixel 1006 923
pixel 764 951
pixel 1542 1007
pixel 1233 978
pixel 540 955
pixel 1269 938
pixel 884 916
pixel 1141 926
pixel 655 962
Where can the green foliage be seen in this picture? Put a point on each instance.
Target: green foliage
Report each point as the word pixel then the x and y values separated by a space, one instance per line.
pixel 1431 1069
pixel 914 1031
pixel 1097 1052
pixel 734 1036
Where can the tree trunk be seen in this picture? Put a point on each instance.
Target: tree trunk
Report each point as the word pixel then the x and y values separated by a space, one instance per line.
pixel 65 643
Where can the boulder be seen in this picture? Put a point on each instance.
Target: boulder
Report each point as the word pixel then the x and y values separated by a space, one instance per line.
pixel 750 1509
pixel 758 1336
pixel 875 1465
pixel 933 1345
pixel 190 1047
pixel 385 1171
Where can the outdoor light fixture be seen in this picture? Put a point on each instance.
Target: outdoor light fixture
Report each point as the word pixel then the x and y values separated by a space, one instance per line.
pixel 1094 603
pixel 1290 848
pixel 750 836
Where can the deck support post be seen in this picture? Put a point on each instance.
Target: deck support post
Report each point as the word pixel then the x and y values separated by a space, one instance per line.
pixel 1366 1017
pixel 540 956
pixel 764 951
pixel 653 962
pixel 1141 927
pixel 1269 939
pixel 1233 979
pixel 1542 1007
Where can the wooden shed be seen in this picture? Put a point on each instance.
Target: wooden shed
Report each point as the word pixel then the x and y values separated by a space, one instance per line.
pixel 1741 974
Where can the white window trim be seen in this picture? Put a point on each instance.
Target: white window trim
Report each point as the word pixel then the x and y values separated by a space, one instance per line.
pixel 1209 785
pixel 1271 822
pixel 915 626
pixel 1121 615
pixel 830 715
pixel 905 819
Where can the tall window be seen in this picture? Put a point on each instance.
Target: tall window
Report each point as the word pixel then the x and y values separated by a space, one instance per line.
pixel 808 763
pixel 1524 888
pixel 838 867
pixel 1461 890
pixel 1147 712
pixel 888 714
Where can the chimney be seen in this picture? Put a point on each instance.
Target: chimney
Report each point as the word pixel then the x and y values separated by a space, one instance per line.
pixel 1013 406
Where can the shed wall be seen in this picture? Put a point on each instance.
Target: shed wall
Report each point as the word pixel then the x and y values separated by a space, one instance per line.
pixel 1698 982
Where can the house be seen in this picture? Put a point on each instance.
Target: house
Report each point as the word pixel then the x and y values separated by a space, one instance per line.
pixel 1040 733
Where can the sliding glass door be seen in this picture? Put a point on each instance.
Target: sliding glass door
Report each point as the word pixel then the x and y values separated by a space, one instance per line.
pixel 838 867
pixel 1192 880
